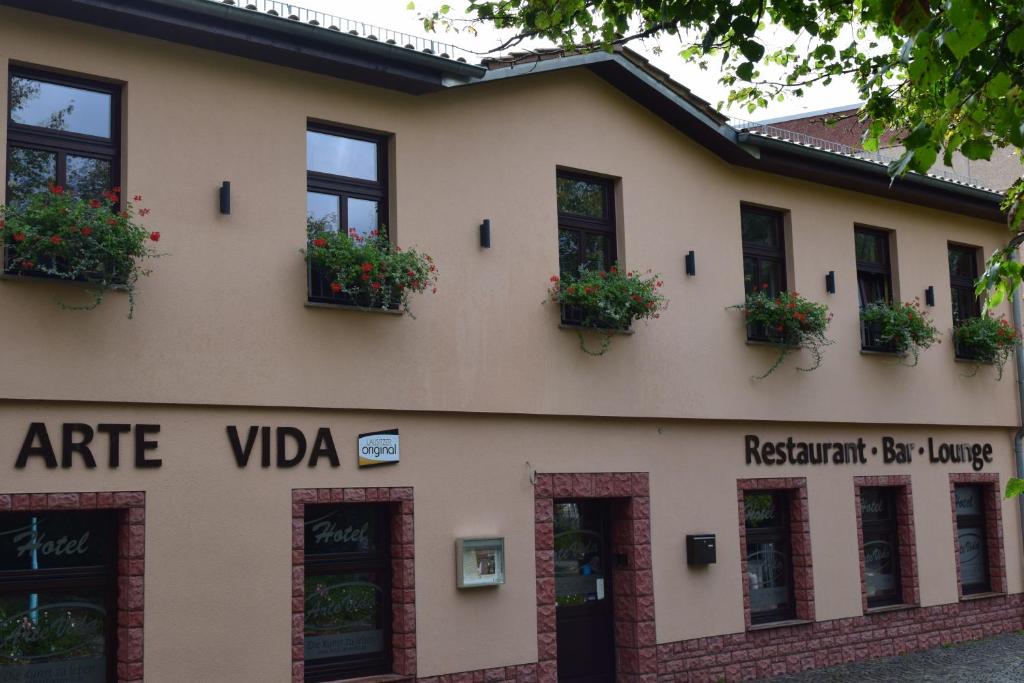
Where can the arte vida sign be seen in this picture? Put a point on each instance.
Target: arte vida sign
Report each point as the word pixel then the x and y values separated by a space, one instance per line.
pixel 284 447
pixel 892 452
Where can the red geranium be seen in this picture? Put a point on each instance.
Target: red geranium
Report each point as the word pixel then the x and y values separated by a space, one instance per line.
pixel 155 236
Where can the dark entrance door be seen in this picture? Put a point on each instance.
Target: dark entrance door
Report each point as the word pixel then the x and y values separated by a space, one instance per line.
pixel 583 592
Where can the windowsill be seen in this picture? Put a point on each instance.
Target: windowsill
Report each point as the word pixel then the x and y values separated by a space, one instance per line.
pixel 874 352
pixel 378 678
pixel 981 596
pixel 882 609
pixel 779 624
pixel 349 307
pixel 972 361
pixel 774 345
pixel 16 277
pixel 586 328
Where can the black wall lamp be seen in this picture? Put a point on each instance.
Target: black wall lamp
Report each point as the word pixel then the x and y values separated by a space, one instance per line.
pixel 225 198
pixel 929 295
pixel 485 234
pixel 830 282
pixel 691 264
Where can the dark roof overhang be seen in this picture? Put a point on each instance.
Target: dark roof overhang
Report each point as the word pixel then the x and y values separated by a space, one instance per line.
pixel 262 37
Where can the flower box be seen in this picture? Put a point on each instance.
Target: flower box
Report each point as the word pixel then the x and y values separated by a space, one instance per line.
pixel 871 338
pixel 786 321
pixel 579 316
pixel 760 333
pixel 320 292
pixel 985 340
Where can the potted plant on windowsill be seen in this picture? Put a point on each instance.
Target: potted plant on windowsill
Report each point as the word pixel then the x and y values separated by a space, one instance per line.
pixel 366 272
pixel 897 328
pixel 986 340
pixel 55 235
pixel 606 302
pixel 789 321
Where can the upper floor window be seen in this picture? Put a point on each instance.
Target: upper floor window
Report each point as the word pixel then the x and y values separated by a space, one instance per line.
pixel 764 250
pixel 963 272
pixel 874 268
pixel 346 179
pixel 586 224
pixel 61 131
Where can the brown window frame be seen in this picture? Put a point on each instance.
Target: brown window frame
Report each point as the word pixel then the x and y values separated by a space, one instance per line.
pixel 582 225
pixel 762 254
pixel 961 282
pixel 63 143
pixel 345 187
pixel 377 562
pixel 873 269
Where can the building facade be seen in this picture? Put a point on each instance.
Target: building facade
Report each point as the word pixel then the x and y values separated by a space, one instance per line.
pixel 182 496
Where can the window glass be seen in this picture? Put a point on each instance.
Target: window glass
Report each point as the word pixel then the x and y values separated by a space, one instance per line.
pixel 767 572
pixel 579 548
pixel 88 178
pixel 972 539
pixel 582 197
pixel 341 156
pixel 881 545
pixel 60 107
pixel 762 510
pixel 595 251
pixel 568 252
pixel 363 215
pixel 57 636
pixel 344 615
pixel 769 565
pixel 968 501
pixel 870 248
pixel 29 171
pixel 48 540
pixel 323 207
pixel 761 229
pixel 962 262
pixel 341 529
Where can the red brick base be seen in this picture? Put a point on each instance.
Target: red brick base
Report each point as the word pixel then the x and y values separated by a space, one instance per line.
pixel 131 560
pixel 784 650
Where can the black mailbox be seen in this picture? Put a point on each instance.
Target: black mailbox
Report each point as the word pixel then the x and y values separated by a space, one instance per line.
pixel 700 549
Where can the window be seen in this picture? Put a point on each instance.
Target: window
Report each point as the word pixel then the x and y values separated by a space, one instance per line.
pixel 764 250
pixel 586 224
pixel 963 272
pixel 61 131
pixel 769 561
pixel 972 539
pixel 874 270
pixel 58 595
pixel 881 545
pixel 347 630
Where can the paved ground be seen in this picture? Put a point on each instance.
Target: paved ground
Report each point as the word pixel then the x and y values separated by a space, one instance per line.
pixel 993 660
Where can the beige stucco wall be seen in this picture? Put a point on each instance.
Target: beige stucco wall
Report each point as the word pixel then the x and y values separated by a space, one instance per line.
pixel 222 321
pixel 218 544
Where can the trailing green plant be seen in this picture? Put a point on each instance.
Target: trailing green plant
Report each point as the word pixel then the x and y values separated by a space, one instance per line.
pixel 986 340
pixel 789 321
pixel 99 241
pixel 371 271
pixel 608 301
pixel 905 328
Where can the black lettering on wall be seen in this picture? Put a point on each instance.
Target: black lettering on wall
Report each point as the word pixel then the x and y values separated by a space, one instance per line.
pixel 36 432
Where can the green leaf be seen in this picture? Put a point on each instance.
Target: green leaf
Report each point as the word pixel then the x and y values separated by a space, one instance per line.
pixel 1014 487
pixel 921 134
pixel 745 71
pixel 977 149
pixel 411 5
pixel 924 159
pixel 999 85
pixel 752 50
pixel 1015 41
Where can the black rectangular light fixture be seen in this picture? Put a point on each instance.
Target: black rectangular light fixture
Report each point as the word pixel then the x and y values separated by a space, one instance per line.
pixel 929 295
pixel 830 282
pixel 691 263
pixel 485 234
pixel 225 198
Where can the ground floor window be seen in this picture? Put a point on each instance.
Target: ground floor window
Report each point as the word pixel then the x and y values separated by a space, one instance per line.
pixel 58 596
pixel 347 628
pixel 881 546
pixel 971 539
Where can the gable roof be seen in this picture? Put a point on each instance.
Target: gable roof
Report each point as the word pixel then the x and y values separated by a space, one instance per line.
pixel 422 66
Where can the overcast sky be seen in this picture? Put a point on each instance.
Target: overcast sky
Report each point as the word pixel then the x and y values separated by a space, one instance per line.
pixel 393 14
